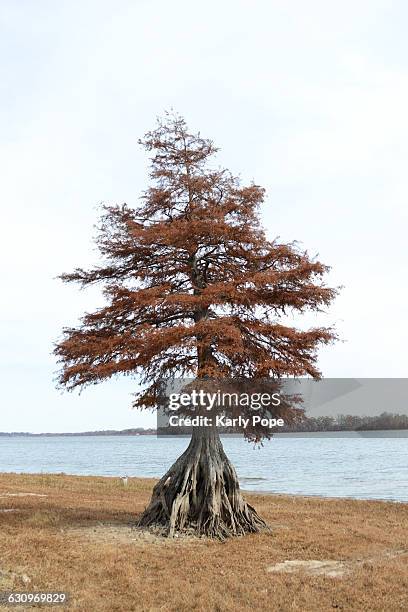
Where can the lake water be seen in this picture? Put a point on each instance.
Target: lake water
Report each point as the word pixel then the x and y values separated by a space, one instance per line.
pixel 341 465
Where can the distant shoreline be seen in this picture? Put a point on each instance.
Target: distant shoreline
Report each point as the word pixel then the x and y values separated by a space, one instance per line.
pixel 108 432
pixel 332 432
pixel 386 421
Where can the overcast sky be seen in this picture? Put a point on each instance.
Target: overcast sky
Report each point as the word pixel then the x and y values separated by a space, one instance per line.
pixel 309 99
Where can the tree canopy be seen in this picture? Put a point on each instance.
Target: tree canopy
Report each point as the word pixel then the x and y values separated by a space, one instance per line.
pixel 192 285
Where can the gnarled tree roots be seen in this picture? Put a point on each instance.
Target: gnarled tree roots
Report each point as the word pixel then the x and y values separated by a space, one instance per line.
pixel 200 492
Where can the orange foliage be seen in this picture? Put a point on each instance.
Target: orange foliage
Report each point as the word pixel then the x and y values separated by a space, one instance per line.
pixel 192 285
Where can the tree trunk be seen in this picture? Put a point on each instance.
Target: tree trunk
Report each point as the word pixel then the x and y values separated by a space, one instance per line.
pixel 201 492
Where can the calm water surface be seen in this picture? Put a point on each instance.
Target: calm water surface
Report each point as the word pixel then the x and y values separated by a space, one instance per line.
pixel 347 465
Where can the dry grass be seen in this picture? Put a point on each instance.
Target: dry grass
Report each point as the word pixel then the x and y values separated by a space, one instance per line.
pixel 75 535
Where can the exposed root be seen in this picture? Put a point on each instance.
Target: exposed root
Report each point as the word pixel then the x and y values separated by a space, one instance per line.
pixel 201 492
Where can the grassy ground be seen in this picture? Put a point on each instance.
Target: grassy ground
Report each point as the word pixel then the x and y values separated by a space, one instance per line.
pixel 75 535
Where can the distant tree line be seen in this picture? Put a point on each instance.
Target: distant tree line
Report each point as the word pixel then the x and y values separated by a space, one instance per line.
pixel 138 431
pixel 342 422
pixel 349 422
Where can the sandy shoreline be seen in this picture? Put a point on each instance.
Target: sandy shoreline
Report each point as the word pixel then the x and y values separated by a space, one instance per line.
pixel 75 533
pixel 245 491
pixel 321 497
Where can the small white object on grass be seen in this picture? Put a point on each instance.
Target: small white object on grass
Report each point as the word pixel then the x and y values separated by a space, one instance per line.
pixel 125 480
